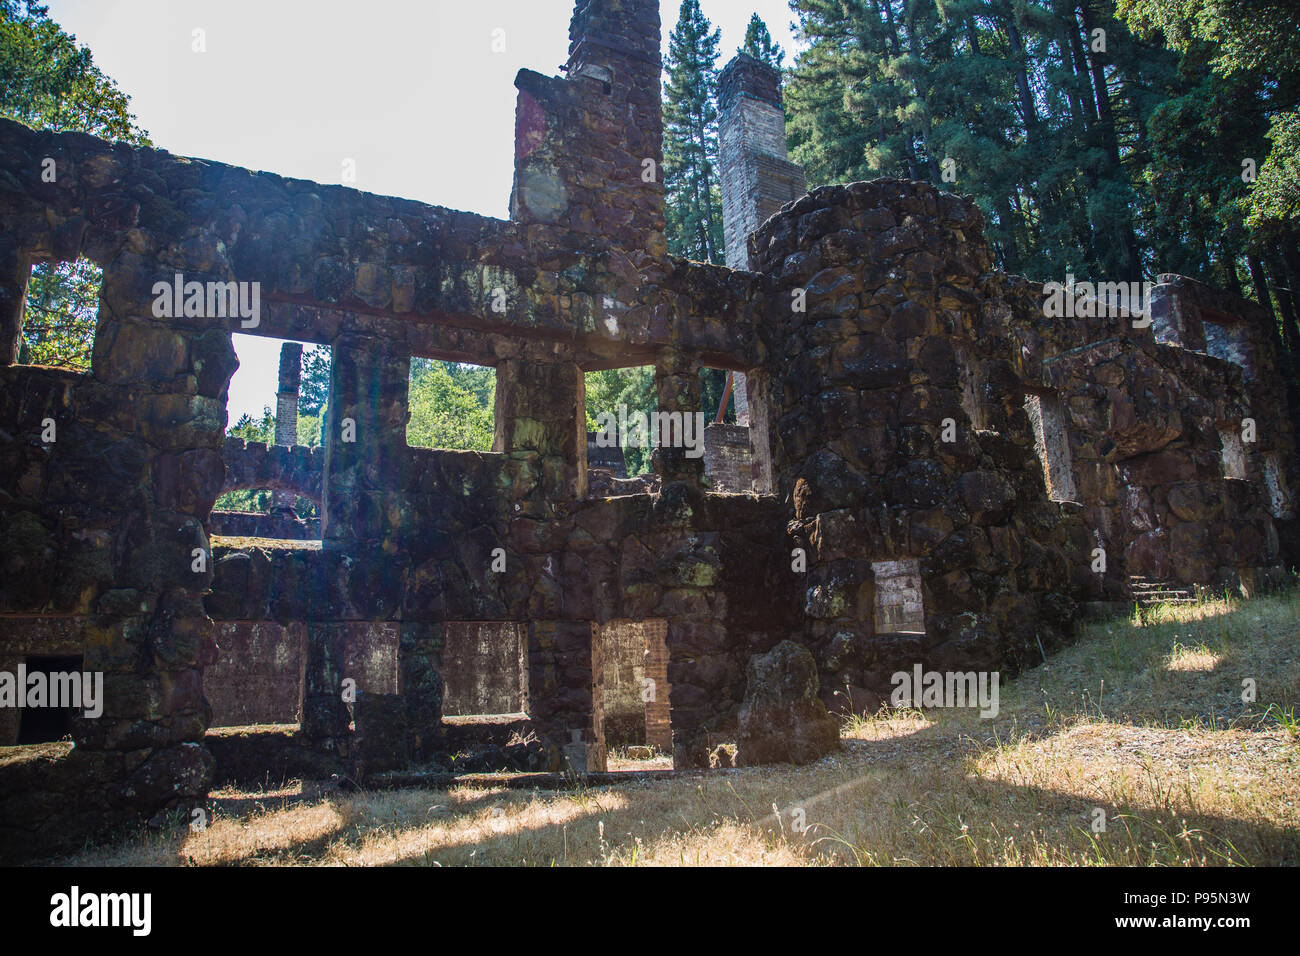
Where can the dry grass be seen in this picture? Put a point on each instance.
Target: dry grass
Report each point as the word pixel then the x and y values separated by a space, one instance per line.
pixel 1142 720
pixel 244 542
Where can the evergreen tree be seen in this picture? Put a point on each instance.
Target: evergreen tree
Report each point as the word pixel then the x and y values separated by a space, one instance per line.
pixel 694 203
pixel 1013 102
pixel 314 388
pixel 1111 139
pixel 758 44
pixel 1235 140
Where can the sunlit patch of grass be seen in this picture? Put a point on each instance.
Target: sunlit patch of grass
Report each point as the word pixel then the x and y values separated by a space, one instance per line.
pixel 1198 658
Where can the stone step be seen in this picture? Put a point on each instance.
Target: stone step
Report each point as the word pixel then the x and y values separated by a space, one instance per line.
pixel 1148 592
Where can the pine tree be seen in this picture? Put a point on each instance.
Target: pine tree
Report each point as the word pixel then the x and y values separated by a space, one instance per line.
pixel 758 44
pixel 694 203
pixel 314 389
pixel 1016 103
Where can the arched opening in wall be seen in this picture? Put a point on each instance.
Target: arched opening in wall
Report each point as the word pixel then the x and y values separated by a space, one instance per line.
pixel 634 693
pixel 1052 440
pixel 900 608
pixel 620 403
pixel 1233 451
pixel 485 669
pixel 63 693
pixel 452 405
pixel 60 313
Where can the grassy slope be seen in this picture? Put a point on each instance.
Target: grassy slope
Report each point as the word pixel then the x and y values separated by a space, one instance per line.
pixel 1142 719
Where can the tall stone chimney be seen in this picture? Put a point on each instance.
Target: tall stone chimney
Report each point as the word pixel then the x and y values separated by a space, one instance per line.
pixel 589 148
pixel 286 409
pixel 757 178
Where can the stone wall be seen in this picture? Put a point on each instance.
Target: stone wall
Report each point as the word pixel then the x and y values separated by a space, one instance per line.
pixel 485 668
pixel 1150 430
pixel 273 524
pixel 251 465
pixel 888 369
pixel 257 675
pixel 879 300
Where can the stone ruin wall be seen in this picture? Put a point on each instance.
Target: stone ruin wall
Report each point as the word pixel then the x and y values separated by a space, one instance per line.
pixel 890 272
pixel 906 328
pixel 1144 426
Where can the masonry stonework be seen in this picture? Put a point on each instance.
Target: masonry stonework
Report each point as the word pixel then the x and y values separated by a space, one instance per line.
pixel 892 404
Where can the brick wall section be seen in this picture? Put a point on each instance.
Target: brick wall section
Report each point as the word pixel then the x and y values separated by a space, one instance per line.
pixel 286 407
pixel 658 732
pixel 634 651
pixel 757 178
pixel 728 461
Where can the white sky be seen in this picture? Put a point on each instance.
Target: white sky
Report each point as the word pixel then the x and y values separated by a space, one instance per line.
pixel 416 97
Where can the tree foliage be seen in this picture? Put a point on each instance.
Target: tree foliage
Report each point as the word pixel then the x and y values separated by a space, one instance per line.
pixel 451 406
pixel 633 388
pixel 314 388
pixel 694 199
pixel 758 43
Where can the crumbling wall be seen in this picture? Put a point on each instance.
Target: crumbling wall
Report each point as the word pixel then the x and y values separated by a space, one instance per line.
pixel 255 465
pixel 1171 479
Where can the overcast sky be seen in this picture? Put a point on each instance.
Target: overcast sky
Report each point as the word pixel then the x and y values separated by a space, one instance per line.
pixel 411 90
